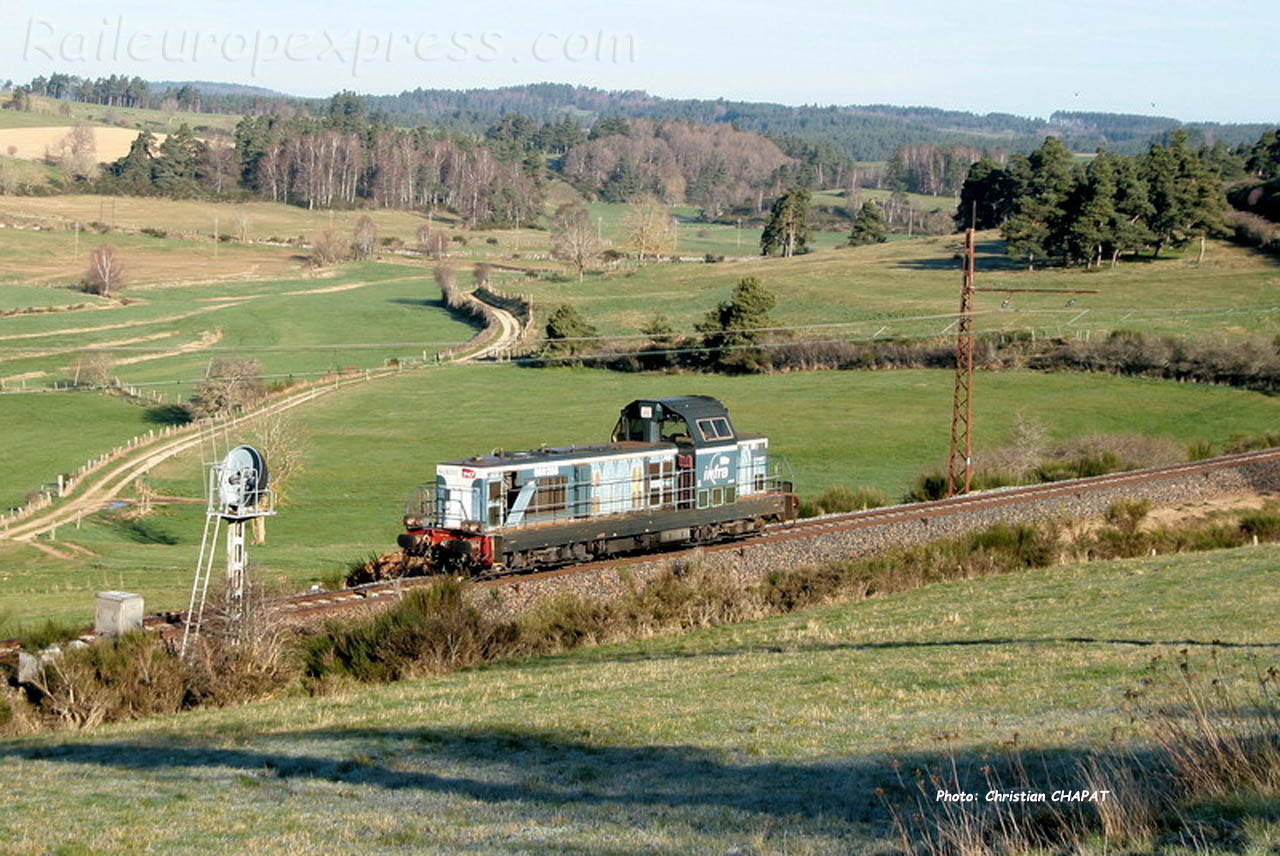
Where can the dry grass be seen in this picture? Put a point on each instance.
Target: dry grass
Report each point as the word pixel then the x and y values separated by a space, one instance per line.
pixel 1208 749
pixel 260 220
pixel 33 143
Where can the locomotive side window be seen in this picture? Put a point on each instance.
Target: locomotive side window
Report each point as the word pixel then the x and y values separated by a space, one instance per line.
pixel 715 429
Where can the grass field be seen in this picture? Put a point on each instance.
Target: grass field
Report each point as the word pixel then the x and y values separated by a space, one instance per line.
pixel 59 258
pixel 918 201
pixel 48 112
pixel 34 143
pixel 881 289
pixel 771 736
pixel 368 448
pixel 173 333
pixel 371 446
pixel 265 220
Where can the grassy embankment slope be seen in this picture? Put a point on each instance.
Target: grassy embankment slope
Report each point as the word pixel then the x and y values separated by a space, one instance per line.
pixel 771 736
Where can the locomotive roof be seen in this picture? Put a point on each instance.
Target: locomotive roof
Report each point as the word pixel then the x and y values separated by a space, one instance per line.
pixel 554 454
pixel 691 407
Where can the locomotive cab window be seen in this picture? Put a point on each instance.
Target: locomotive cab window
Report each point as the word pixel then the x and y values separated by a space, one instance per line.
pixel 715 429
pixel 630 429
pixel 675 429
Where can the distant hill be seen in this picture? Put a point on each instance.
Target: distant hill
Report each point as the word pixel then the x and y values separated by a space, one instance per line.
pixel 211 87
pixel 864 132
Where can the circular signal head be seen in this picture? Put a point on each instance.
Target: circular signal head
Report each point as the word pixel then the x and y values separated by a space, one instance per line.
pixel 242 478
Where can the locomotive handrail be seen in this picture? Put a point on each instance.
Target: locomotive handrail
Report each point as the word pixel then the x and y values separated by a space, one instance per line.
pixel 569 503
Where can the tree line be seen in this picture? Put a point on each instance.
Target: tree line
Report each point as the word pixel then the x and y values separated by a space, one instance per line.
pixel 1051 208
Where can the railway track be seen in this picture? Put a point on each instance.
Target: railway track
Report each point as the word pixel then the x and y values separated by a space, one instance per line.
pixel 308 606
pixel 335 602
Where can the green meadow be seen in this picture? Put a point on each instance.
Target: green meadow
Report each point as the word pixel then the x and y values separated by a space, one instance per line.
pixel 370 445
pixel 768 736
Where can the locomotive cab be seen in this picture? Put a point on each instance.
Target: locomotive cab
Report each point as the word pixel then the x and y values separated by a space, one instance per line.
pixel 696 421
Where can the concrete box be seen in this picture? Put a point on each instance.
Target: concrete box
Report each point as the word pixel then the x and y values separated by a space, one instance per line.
pixel 117 612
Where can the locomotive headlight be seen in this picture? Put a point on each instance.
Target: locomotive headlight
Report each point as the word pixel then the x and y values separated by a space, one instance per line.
pixel 411 522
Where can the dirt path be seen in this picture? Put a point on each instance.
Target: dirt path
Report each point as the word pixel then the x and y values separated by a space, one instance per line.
pixel 141 322
pixel 207 340
pixel 96 490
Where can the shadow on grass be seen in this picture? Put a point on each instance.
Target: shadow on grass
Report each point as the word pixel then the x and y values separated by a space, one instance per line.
pixel 143 530
pixel 552 778
pixel 552 772
pixel 991 256
pixel 168 414
pixel 432 302
pixel 739 650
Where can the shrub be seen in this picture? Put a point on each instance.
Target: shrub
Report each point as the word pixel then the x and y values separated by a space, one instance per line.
pixel 840 499
pixel 233 383
pixel 430 631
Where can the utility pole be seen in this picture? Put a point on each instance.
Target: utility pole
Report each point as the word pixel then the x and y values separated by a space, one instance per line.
pixel 215 237
pixel 960 465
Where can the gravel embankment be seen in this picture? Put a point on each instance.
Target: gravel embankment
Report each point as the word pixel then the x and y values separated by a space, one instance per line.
pixel 750 562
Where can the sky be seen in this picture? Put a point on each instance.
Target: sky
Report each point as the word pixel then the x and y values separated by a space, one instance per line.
pixel 1213 61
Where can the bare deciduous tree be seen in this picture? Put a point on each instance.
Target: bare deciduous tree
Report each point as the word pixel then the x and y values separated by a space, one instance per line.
pixel 218 168
pixel 76 154
pixel 573 238
pixel 446 279
pixel 91 369
pixel 230 384
pixel 432 243
pixel 8 177
pixel 482 274
pixel 328 248
pixel 364 238
pixel 106 272
pixel 285 446
pixel 243 221
pixel 649 228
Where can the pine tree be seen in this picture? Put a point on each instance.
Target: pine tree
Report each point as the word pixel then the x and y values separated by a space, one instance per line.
pixel 133 172
pixel 869 226
pixel 787 231
pixel 1187 198
pixel 1089 214
pixel 733 326
pixel 175 169
pixel 1134 211
pixel 564 327
pixel 1038 200
pixel 625 182
pixel 985 199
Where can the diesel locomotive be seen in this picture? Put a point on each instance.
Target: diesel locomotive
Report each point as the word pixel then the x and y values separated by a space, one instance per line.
pixel 675 472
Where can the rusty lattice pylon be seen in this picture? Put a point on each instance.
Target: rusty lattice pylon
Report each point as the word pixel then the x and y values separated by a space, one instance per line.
pixel 959 468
